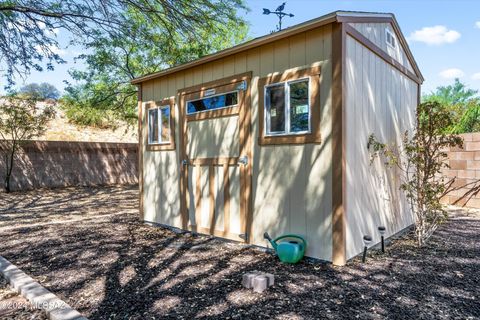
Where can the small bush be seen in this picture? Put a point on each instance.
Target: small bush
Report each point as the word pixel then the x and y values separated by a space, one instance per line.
pixel 87 116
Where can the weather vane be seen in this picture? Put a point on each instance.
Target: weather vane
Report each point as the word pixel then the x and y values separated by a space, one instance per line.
pixel 280 14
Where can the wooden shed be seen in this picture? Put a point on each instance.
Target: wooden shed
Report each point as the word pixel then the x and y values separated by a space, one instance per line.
pixel 271 135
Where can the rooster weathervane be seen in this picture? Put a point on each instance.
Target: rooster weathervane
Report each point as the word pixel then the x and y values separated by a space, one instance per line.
pixel 280 14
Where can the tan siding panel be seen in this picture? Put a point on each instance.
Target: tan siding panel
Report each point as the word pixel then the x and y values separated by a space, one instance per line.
pixel 376 33
pixel 381 101
pixel 297 51
pixel 229 66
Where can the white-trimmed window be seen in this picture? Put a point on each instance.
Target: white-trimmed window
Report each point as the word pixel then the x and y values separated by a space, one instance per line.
pixel 159 125
pixel 391 39
pixel 212 102
pixel 287 108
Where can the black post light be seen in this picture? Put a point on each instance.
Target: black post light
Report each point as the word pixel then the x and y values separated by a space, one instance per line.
pixel 382 230
pixel 366 242
pixel 280 14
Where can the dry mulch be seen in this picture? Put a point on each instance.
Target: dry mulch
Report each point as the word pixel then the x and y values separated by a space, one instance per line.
pixel 114 267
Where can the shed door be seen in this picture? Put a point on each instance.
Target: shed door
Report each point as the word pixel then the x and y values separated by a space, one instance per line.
pixel 216 175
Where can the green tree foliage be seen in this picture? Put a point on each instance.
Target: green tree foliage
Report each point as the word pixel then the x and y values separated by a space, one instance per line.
pixel 470 120
pixel 28 27
pixel 20 121
pixel 420 160
pixel 455 94
pixel 462 103
pixel 40 92
pixel 103 91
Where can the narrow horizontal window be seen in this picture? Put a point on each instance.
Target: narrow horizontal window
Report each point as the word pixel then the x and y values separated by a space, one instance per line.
pixel 159 125
pixel 213 102
pixel 287 108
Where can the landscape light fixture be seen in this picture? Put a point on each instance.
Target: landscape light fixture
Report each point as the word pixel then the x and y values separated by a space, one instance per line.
pixel 382 230
pixel 366 242
pixel 280 14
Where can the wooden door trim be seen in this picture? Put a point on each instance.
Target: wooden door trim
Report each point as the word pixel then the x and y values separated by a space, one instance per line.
pixel 244 118
pixel 216 83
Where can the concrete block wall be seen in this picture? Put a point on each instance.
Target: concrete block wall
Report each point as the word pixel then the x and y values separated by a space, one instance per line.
pixel 465 165
pixel 51 164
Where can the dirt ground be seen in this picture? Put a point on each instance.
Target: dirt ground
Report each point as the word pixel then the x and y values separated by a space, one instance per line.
pixel 87 246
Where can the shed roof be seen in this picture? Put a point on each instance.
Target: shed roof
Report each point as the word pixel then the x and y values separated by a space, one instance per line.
pixel 336 16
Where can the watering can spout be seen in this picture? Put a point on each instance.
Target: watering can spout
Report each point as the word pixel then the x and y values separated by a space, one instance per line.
pixel 273 243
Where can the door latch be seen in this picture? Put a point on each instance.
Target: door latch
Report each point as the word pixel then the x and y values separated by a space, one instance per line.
pixel 243 160
pixel 184 162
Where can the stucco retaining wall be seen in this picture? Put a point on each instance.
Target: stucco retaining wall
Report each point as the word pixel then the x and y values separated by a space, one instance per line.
pixel 51 164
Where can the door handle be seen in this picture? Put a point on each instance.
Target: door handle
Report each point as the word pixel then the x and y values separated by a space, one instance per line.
pixel 243 160
pixel 184 162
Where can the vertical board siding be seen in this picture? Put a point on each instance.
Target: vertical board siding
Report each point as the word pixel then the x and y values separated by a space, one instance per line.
pixel 385 101
pixel 376 33
pixel 291 184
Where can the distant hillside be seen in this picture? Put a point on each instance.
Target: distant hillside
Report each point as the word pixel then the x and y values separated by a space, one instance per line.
pixel 59 129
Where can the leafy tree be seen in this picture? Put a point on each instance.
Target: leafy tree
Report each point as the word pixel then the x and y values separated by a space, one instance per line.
pixel 20 121
pixel 455 94
pixel 420 160
pixel 40 92
pixel 470 120
pixel 28 27
pixel 462 104
pixel 104 87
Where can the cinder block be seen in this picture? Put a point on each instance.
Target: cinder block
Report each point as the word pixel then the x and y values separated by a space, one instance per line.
pixel 260 283
pixel 474 164
pixel 468 155
pixel 466 174
pixel 270 279
pixel 467 137
pixel 458 164
pixel 472 146
pixel 451 173
pixel 247 279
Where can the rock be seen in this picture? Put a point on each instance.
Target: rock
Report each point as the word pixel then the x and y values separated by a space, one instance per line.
pixel 260 283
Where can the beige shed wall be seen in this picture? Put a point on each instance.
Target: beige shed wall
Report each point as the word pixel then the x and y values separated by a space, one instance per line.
pixel 382 101
pixel 291 184
pixel 376 33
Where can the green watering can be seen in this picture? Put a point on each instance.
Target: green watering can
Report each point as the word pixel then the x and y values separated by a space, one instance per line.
pixel 289 251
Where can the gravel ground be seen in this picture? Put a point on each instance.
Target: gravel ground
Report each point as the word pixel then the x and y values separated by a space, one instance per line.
pixel 110 266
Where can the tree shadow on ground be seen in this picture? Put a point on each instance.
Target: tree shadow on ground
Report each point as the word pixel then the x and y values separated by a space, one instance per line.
pixel 119 268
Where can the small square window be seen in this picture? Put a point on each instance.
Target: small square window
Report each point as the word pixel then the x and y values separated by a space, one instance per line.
pixel 287 108
pixel 391 40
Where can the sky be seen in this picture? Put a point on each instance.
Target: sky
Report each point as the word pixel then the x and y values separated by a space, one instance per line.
pixel 444 36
